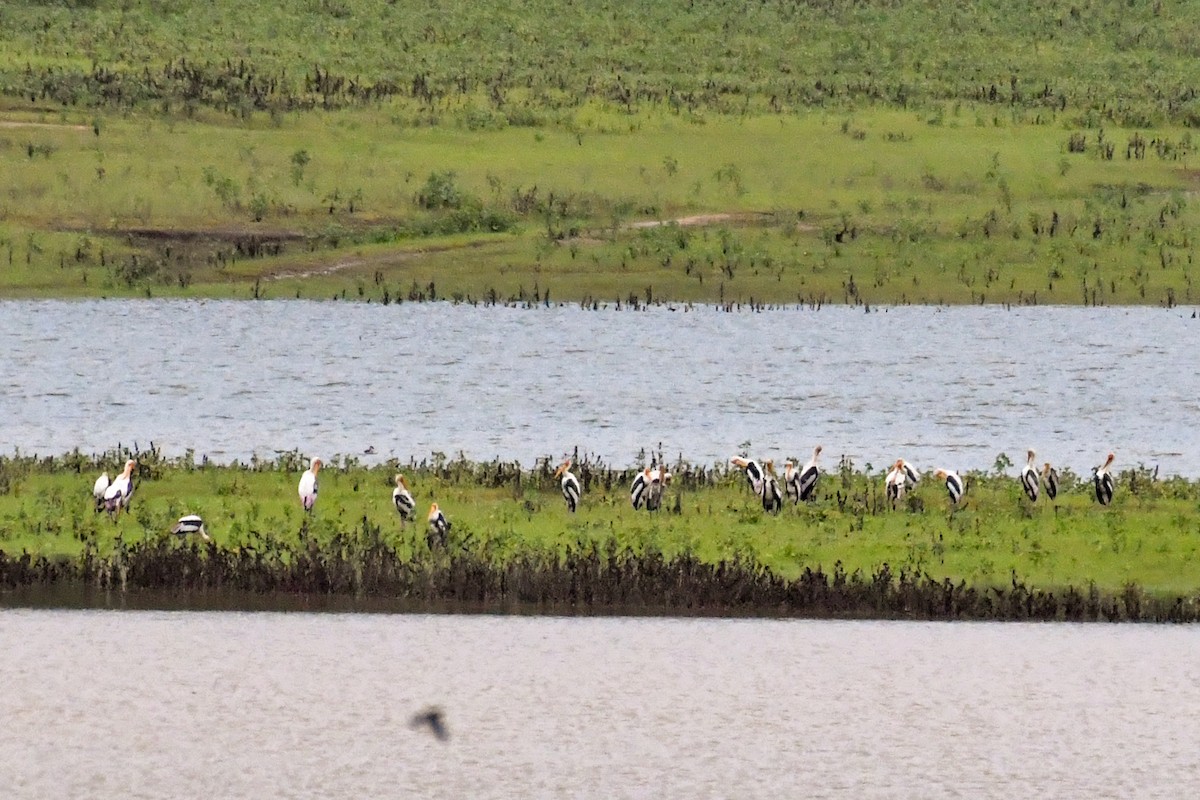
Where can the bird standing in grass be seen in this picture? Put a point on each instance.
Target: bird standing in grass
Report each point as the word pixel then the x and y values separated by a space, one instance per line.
pixel 1102 478
pixel 954 484
pixel 895 483
pixel 439 529
pixel 1050 480
pixel 120 491
pixel 402 499
pixel 571 490
pixel 308 485
pixel 98 490
pixel 754 473
pixel 191 523
pixel 772 498
pixel 1029 478
pixel 637 490
pixel 807 485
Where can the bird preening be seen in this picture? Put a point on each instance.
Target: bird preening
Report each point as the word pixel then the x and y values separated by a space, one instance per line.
pixel 116 495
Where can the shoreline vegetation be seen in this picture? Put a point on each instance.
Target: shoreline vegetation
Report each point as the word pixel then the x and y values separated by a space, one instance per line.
pixel 514 548
pixel 527 152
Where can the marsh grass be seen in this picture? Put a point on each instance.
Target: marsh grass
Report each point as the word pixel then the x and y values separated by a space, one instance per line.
pixel 505 514
pixel 971 210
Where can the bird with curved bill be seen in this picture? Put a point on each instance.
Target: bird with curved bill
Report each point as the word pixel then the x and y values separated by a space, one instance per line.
pixel 191 524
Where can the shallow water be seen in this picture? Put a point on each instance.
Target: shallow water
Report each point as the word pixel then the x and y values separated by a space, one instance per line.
pixel 939 386
pixel 189 704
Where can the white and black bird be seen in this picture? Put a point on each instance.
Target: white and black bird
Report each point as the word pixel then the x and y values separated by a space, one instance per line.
pixel 754 473
pixel 910 472
pixel 439 529
pixel 954 484
pixel 309 486
pixel 98 490
pixel 637 490
pixel 571 489
pixel 772 498
pixel 807 484
pixel 1102 479
pixel 895 483
pixel 120 491
pixel 402 499
pixel 1030 480
pixel 189 524
pixel 1050 480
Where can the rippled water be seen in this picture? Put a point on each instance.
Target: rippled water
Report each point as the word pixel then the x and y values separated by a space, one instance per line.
pixel 233 705
pixel 940 386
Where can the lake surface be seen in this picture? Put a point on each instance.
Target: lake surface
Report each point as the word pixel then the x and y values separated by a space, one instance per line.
pixel 949 387
pixel 104 704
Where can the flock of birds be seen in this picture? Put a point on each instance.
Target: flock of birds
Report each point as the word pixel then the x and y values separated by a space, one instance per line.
pixel 799 484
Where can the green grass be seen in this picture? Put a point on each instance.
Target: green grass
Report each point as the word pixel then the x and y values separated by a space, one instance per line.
pixel 876 206
pixel 1149 536
pixel 869 152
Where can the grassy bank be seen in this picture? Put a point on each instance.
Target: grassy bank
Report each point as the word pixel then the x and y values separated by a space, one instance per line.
pixel 840 152
pixel 503 514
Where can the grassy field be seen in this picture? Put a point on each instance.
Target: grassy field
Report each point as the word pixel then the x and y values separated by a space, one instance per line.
pixel 837 152
pixel 1147 537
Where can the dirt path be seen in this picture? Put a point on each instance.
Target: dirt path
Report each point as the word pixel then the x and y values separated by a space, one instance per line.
pixel 12 123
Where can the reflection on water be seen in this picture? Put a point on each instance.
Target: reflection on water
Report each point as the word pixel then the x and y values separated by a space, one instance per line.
pixel 940 386
pixel 233 705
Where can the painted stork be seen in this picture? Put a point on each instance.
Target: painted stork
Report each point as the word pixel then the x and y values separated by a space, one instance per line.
pixel 954 484
pixel 1029 478
pixel 791 481
pixel 655 482
pixel 1102 479
pixel 910 472
pixel 98 490
pixel 402 499
pixel 308 485
pixel 772 499
pixel 1050 479
pixel 119 492
pixel 754 473
pixel 191 523
pixel 571 489
pixel 895 483
pixel 637 491
pixel 808 477
pixel 439 529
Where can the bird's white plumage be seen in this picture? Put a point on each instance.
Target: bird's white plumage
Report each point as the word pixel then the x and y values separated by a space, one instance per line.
pixel 98 490
pixel 403 500
pixel 1030 480
pixel 190 523
pixel 571 488
pixel 309 485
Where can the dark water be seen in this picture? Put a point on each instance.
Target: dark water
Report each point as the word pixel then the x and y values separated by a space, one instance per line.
pixel 941 387
pixel 240 705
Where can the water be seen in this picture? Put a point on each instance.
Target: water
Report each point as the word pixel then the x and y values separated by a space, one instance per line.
pixel 160 704
pixel 947 387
